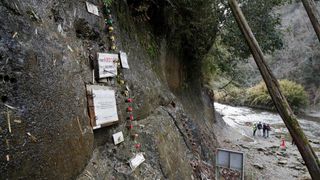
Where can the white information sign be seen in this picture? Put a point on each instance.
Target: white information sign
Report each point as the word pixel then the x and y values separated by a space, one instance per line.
pixel 105 106
pixel 136 161
pixel 93 9
pixel 118 138
pixel 124 60
pixel 107 65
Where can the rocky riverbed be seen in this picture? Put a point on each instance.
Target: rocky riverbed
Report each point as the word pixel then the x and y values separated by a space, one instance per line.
pixel 263 157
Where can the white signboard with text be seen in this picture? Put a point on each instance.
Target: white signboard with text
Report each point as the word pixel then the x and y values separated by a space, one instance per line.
pixel 105 106
pixel 107 65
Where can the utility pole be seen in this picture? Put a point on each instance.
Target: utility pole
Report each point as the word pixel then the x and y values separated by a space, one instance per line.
pixel 313 14
pixel 278 98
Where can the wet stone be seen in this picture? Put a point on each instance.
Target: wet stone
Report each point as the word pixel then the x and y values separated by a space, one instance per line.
pixel 306 177
pixel 268 153
pixel 314 141
pixel 261 149
pixel 282 162
pixel 244 146
pixel 273 147
pixel 258 166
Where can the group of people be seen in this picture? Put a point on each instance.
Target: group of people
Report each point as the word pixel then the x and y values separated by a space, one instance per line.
pixel 262 128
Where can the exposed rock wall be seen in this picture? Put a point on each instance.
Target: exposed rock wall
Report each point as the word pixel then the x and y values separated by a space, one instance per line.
pixel 47 66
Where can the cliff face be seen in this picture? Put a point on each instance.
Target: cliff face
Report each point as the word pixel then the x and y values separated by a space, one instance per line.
pixel 47 50
pixel 47 67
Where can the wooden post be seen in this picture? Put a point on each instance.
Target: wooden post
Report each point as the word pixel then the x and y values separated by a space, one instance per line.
pixel 278 99
pixel 313 14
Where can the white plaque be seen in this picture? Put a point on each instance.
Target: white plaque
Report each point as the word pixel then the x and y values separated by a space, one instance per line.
pixel 124 60
pixel 118 138
pixel 136 161
pixel 92 9
pixel 107 65
pixel 105 106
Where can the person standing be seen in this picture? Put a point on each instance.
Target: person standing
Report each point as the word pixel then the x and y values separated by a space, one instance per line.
pixel 268 129
pixel 264 129
pixel 259 126
pixel 254 129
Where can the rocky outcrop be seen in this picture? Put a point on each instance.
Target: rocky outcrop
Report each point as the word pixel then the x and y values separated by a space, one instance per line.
pixel 44 100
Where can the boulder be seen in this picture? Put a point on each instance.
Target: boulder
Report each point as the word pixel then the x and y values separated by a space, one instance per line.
pixel 283 154
pixel 278 136
pixel 244 146
pixel 282 162
pixel 306 177
pixel 300 160
pixel 273 147
pixel 258 166
pixel 268 153
pixel 261 149
pixel 298 167
pixel 314 141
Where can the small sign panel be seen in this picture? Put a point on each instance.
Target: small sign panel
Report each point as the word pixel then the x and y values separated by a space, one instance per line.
pixel 118 138
pixel 107 65
pixel 124 60
pixel 136 161
pixel 229 165
pixel 102 106
pixel 93 9
pixel 105 106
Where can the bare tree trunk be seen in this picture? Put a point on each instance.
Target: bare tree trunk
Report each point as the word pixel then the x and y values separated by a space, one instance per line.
pixel 313 14
pixel 278 99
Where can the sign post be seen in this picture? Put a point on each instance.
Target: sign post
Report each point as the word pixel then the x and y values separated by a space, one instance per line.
pixel 229 165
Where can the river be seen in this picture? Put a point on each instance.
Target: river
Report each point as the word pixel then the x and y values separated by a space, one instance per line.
pixel 242 118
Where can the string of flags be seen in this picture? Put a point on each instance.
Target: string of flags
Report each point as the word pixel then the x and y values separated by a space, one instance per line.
pixel 102 105
pixel 109 25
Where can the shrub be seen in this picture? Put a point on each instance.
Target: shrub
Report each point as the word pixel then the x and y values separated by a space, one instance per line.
pixel 231 95
pixel 107 2
pixel 295 94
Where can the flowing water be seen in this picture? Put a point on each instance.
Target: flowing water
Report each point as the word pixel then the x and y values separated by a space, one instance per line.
pixel 242 118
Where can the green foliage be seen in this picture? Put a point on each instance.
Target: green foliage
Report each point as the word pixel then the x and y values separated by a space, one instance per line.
pixel 310 71
pixel 262 22
pixel 193 26
pixel 230 46
pixel 205 33
pixel 258 95
pixel 215 62
pixel 295 94
pixel 231 95
pixel 107 2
